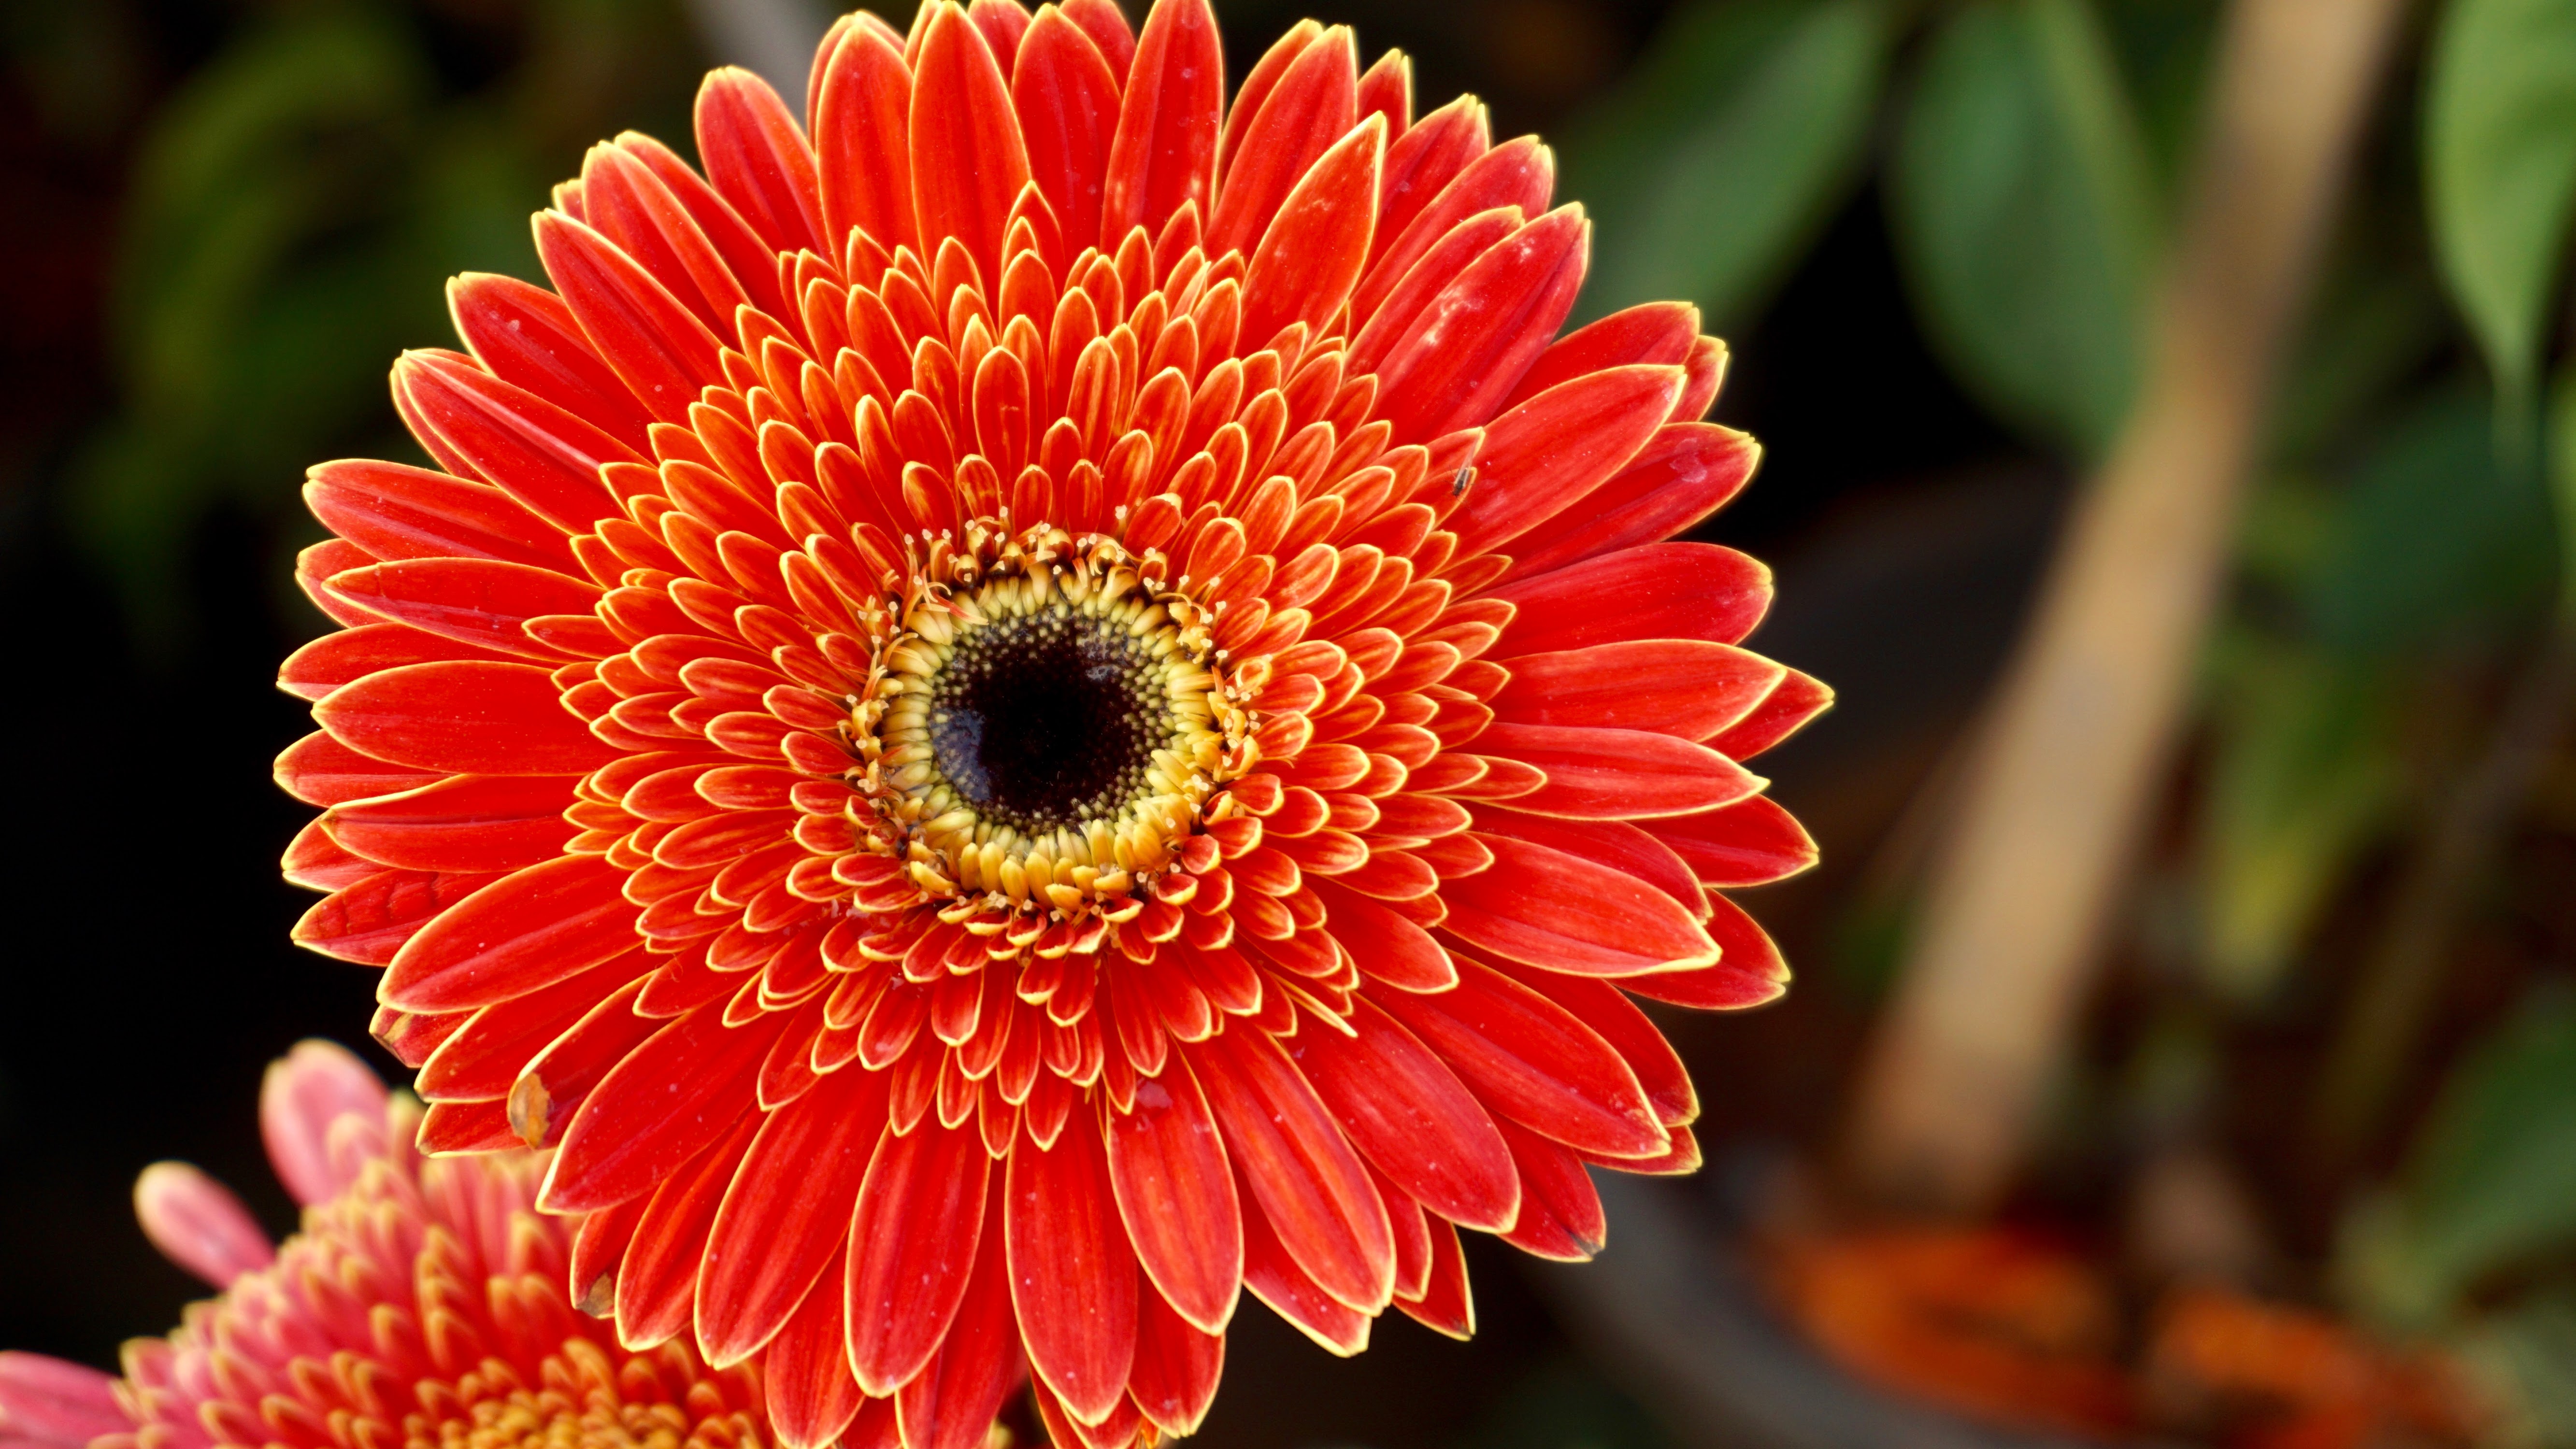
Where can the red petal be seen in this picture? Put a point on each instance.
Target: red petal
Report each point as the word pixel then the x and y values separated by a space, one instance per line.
pixel 1384 944
pixel 1462 356
pixel 1687 688
pixel 598 1246
pixel 466 1127
pixel 1164 153
pixel 1679 478
pixel 1615 845
pixel 550 1089
pixel 1066 97
pixel 668 1099
pixel 805 1373
pixel 1255 89
pixel 484 1056
pixel 318 563
pixel 1273 1275
pixel 1547 908
pixel 368 922
pixel 951 1403
pixel 1561 1214
pixel 627 203
pixel 863 142
pixel 465 822
pixel 1748 974
pixel 1175 1375
pixel 1548 454
pixel 527 337
pixel 1602 1007
pixel 660 1269
pixel 1655 332
pixel 752 260
pixel 1781 714
pixel 472 600
pixel 337 658
pixel 532 929
pixel 1752 842
pixel 660 348
pixel 1120 1431
pixel 463 716
pixel 1073 1275
pixel 1310 1184
pixel 1517 173
pixel 968 162
pixel 1002 23
pixel 912 1247
pixel 546 459
pixel 1618 774
pixel 315 861
pixel 1314 103
pixel 1310 257
pixel 786 1214
pixel 393 511
pixel 1446 1306
pixel 1395 315
pixel 1533 1062
pixel 757 160
pixel 1167 1165
pixel 320 770
pixel 1420 164
pixel 410 1036
pixel 1662 591
pixel 1412 1233
pixel 1107 26
pixel 1387 90
pixel 1411 1116
pixel 875 1428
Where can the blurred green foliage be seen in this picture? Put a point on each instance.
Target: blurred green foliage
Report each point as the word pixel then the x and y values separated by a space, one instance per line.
pixel 2491 1181
pixel 2500 170
pixel 2304 777
pixel 2400 549
pixel 2018 188
pixel 293 209
pixel 1718 162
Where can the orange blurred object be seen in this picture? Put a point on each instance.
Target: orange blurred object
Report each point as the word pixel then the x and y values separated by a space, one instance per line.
pixel 2271 1376
pixel 1997 1324
pixel 2006 1325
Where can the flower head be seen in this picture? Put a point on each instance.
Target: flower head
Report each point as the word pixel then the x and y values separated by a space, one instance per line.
pixel 1056 702
pixel 420 1307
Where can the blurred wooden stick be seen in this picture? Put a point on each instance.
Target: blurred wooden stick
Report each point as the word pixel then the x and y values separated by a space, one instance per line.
pixel 2087 716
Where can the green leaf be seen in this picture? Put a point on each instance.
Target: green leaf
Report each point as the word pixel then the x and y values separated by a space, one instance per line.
pixel 2562 483
pixel 2526 1359
pixel 2305 777
pixel 2020 197
pixel 2500 170
pixel 2437 540
pixel 1716 164
pixel 2490 1183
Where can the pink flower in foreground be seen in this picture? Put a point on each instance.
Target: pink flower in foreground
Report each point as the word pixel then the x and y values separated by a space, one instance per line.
pixel 421 1306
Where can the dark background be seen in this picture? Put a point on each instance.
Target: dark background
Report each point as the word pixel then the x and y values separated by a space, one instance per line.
pixel 147 973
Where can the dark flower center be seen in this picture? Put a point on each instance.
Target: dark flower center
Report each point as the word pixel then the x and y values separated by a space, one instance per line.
pixel 1049 719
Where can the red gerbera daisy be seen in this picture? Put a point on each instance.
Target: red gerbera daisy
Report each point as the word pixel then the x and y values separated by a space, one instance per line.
pixel 1058 701
pixel 421 1307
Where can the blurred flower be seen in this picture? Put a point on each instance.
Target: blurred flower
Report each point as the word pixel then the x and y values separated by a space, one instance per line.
pixel 420 1305
pixel 1989 1321
pixel 2276 1376
pixel 1061 703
